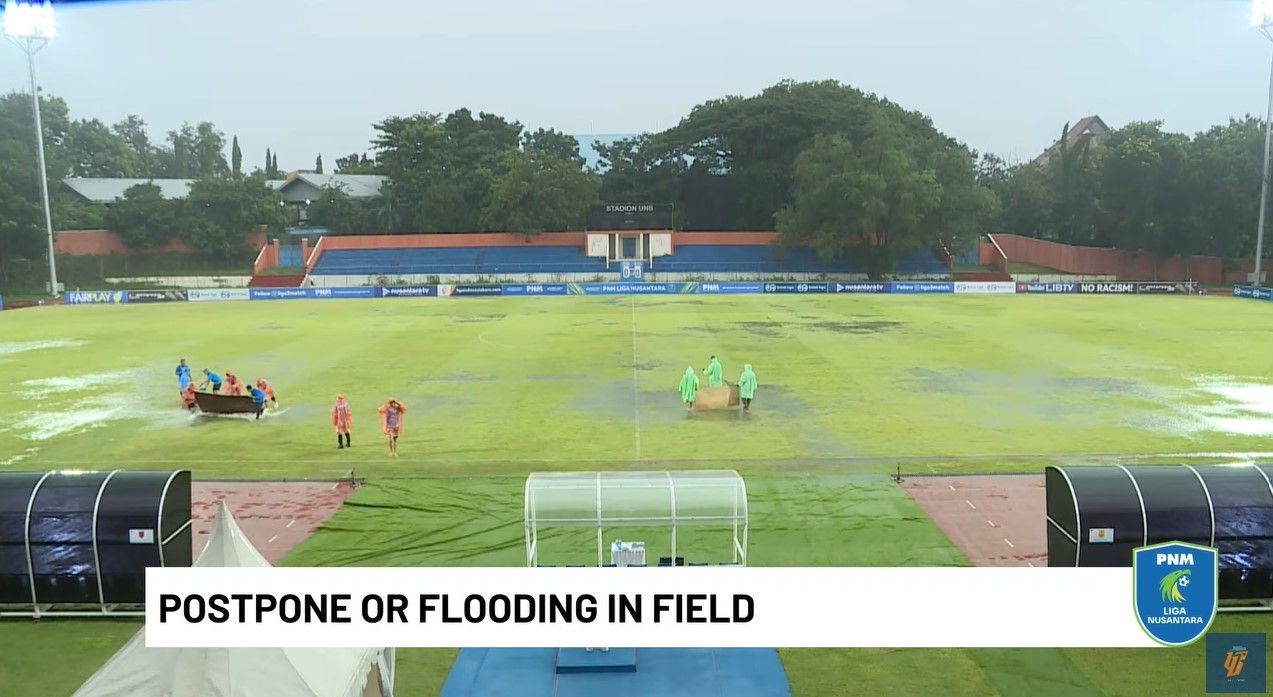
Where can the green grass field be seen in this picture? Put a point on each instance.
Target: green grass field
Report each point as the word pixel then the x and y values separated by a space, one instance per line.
pixel 851 388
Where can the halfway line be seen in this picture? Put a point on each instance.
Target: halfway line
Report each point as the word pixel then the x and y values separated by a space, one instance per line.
pixel 636 384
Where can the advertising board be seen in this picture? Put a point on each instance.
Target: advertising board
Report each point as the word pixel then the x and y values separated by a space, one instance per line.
pixel 215 294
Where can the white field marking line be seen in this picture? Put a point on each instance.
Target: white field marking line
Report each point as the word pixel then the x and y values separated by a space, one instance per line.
pixel 335 485
pixel 482 338
pixel 952 486
pixel 992 523
pixel 970 504
pixel 1009 543
pixel 1030 564
pixel 293 522
pixel 272 539
pixel 636 384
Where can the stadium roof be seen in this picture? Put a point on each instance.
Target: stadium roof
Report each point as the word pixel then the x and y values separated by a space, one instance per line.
pixel 356 185
pixel 108 190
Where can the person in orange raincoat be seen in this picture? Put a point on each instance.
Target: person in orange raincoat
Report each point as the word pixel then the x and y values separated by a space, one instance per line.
pixel 391 418
pixel 233 386
pixel 343 420
pixel 187 397
pixel 264 385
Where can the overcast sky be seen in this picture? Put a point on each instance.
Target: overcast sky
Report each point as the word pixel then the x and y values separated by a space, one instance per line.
pixel 304 76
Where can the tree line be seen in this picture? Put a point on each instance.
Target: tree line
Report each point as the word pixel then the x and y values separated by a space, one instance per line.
pixel 827 165
pixel 1139 187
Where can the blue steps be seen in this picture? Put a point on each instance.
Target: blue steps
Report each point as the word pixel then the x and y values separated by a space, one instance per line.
pixel 596 661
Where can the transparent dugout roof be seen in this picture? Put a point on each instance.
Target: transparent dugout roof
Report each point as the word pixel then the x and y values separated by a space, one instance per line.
pixel 617 499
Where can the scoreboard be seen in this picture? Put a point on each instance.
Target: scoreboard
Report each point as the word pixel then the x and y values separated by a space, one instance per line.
pixel 630 216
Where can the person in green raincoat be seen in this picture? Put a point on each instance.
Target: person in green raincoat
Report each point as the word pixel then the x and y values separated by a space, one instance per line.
pixel 747 387
pixel 715 373
pixel 689 386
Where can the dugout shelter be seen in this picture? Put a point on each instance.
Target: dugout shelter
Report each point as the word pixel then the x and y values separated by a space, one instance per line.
pixel 710 501
pixel 78 543
pixel 1096 516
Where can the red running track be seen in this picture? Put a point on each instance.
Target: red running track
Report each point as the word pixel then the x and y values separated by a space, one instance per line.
pixel 995 520
pixel 275 516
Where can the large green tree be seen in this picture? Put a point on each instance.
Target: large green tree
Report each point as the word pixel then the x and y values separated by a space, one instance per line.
pixel 1224 187
pixel 443 168
pixel 729 163
pixel 220 212
pixel 194 151
pixel 339 212
pixel 1141 188
pixel 236 158
pixel 92 149
pixel 22 220
pixel 354 163
pixel 870 201
pixel 143 217
pixel 1144 201
pixel 541 187
pixel 133 130
pixel 22 231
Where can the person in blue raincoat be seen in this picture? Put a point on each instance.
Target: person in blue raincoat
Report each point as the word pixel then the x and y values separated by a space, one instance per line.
pixel 258 398
pixel 183 375
pixel 211 378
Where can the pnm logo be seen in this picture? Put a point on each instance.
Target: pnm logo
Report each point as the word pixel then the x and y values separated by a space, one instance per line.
pixel 1234 660
pixel 1175 590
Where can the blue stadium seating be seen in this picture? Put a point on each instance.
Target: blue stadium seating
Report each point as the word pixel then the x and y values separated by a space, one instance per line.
pixel 772 260
pixel 459 260
pixel 689 259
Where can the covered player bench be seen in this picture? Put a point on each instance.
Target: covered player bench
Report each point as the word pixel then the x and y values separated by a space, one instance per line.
pixel 714 500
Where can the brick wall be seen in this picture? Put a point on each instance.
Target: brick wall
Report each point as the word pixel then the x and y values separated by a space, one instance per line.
pixel 1127 265
pixel 87 243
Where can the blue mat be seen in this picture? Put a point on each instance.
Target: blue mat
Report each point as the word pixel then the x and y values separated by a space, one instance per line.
pixel 662 672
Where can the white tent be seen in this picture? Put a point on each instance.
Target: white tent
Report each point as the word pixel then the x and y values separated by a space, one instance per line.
pixel 137 671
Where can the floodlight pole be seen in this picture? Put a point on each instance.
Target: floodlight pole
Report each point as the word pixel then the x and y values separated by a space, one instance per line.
pixel 30 46
pixel 1264 173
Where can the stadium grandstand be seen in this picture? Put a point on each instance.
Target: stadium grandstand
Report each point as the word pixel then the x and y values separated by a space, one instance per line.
pixel 664 256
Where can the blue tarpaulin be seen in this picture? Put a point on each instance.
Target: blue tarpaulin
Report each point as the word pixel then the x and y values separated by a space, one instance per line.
pixel 662 672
